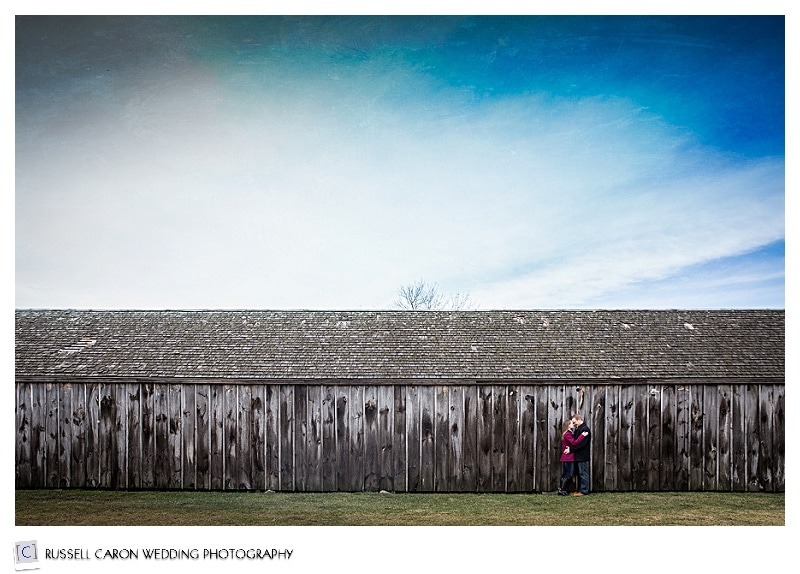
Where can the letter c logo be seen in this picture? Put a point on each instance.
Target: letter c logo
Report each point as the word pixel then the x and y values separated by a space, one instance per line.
pixel 24 553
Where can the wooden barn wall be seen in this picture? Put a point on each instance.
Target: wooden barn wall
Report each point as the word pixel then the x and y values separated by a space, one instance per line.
pixel 462 437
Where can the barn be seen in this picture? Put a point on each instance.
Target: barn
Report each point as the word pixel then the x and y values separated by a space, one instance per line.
pixel 403 401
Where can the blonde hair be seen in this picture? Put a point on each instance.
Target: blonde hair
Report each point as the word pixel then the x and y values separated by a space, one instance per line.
pixel 578 417
pixel 565 427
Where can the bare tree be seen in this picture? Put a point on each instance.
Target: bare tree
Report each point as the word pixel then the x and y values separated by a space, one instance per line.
pixel 422 296
pixel 462 302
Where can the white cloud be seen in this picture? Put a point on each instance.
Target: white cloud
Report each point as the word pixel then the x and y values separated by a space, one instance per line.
pixel 325 193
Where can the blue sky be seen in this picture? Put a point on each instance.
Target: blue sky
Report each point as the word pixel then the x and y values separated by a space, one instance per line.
pixel 323 162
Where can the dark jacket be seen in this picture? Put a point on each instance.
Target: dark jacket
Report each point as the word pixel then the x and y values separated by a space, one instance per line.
pixel 584 449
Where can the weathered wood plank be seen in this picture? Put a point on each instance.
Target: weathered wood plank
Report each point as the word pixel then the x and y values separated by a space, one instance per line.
pixel 514 480
pixel 257 437
pixel 257 423
pixel 287 437
pixel 427 407
pixel 526 465
pixel 244 452
pixel 639 447
pixel 556 399
pixel 329 454
pixel 92 435
pixel 107 435
pixel 301 437
pixel 398 440
pixel 313 449
pixel 217 436
pixel 202 449
pixel 596 419
pixel 52 436
pixel 133 447
pixel 627 401
pixel 343 437
pixel 683 417
pixel 697 425
pixel 174 437
pixel 147 440
pixel 499 420
pixel 454 424
pixel 109 453
pixel 502 434
pixel 65 435
pixel 121 432
pixel 484 434
pixel 38 436
pixel 161 440
pixel 753 434
pixel 441 439
pixel 385 396
pixel 710 438
pixel 23 411
pixel 189 432
pixel 738 440
pixel 752 421
pixel 725 422
pixel 413 437
pixel 612 455
pixel 357 439
pixel 668 434
pixel 765 440
pixel 544 449
pixel 654 437
pixel 272 436
pixel 778 438
pixel 372 455
pixel 231 436
pixel 469 440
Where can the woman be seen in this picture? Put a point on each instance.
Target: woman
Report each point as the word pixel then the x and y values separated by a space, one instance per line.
pixel 567 457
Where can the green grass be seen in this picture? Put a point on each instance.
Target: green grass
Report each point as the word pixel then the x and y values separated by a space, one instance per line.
pixel 109 508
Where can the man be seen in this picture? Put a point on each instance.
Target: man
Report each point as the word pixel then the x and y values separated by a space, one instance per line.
pixel 582 453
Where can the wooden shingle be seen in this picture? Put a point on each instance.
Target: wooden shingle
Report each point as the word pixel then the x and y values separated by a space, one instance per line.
pixel 490 345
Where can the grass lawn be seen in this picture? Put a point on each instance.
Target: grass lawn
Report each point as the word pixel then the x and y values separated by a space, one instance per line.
pixel 110 508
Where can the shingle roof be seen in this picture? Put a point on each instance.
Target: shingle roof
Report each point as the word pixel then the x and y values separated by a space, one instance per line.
pixel 400 344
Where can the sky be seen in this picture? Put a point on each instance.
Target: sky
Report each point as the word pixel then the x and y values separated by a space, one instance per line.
pixel 278 162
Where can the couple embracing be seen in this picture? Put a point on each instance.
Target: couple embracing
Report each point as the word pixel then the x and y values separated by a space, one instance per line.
pixel 575 451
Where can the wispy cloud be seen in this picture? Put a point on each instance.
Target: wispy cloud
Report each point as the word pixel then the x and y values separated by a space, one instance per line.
pixel 330 186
